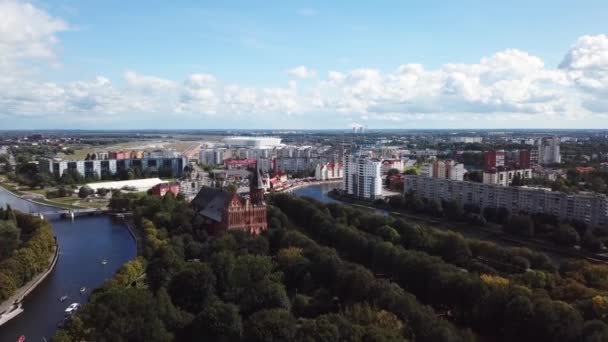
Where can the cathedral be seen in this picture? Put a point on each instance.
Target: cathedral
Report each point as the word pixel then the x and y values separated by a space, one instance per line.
pixel 224 210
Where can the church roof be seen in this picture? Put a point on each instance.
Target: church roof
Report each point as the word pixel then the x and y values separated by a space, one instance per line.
pixel 210 202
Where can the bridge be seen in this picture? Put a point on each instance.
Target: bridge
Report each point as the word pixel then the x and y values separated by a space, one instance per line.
pixel 70 213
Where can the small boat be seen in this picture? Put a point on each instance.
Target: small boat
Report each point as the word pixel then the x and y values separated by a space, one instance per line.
pixel 82 289
pixel 72 309
pixel 21 339
pixel 63 298
pixel 104 261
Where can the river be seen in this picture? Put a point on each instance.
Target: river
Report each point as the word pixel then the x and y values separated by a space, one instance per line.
pixel 83 243
pixel 319 192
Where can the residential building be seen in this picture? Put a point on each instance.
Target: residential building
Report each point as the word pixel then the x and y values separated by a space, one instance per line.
pixel 162 189
pixel 493 160
pixel 466 140
pixel 171 167
pixel 445 169
pixel 549 152
pixel 252 142
pixel 362 177
pixel 591 208
pixel 238 164
pixel 214 156
pixel 505 176
pixel 388 164
pixel 329 171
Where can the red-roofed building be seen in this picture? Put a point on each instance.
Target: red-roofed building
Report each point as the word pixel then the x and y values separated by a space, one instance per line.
pixel 239 164
pixel 162 188
pixel 584 169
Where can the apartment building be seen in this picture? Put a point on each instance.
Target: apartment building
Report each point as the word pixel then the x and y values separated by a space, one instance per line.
pixel 504 177
pixel 329 171
pixel 591 208
pixel 362 177
pixel 99 168
pixel 444 169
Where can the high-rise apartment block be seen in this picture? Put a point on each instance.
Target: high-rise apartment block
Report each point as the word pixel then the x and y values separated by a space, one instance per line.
pixel 362 176
pixel 548 151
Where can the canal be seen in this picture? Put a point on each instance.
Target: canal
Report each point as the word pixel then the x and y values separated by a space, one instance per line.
pixel 83 244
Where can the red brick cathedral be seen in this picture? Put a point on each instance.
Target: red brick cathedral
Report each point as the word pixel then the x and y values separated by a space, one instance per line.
pixel 224 210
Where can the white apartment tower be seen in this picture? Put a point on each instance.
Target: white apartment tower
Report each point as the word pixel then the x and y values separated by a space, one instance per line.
pixel 362 177
pixel 548 152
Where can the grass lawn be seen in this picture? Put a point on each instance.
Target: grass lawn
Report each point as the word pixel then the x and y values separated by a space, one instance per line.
pixel 79 154
pixel 59 204
pixel 10 186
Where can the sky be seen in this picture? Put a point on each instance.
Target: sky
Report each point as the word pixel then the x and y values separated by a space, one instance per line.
pixel 303 64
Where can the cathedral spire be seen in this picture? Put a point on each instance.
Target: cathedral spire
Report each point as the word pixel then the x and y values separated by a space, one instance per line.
pixel 256 186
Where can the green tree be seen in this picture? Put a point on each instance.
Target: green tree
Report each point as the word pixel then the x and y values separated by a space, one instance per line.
pixel 270 325
pixel 317 330
pixel 520 225
pixel 193 287
pixel 9 238
pixel 218 321
pixel 85 191
pixel 566 235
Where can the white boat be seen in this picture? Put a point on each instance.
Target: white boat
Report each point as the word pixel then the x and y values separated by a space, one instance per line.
pixel 82 289
pixel 63 298
pixel 72 308
pixel 104 261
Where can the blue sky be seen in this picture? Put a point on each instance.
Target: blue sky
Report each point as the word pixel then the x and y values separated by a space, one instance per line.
pixel 303 64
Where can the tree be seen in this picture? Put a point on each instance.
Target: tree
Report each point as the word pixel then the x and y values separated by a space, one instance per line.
pixel 265 294
pixel 392 172
pixel 125 314
pixel 9 238
pixel 102 192
pixel 317 330
pixel 193 287
pixel 566 235
pixel 270 325
pixel 518 315
pixel 519 225
pixel 218 321
pixel 85 191
pixel 591 242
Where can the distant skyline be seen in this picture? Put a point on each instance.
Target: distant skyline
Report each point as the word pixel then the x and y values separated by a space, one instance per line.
pixel 303 64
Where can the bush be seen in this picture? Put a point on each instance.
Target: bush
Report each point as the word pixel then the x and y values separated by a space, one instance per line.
pixel 565 235
pixel 85 191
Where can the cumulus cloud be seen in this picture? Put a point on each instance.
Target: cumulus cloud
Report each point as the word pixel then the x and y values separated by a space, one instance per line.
pixel 27 32
pixel 301 72
pixel 147 83
pixel 507 85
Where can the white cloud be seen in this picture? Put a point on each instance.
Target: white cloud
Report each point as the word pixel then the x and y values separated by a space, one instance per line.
pixel 508 85
pixel 301 72
pixel 148 83
pixel 26 32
